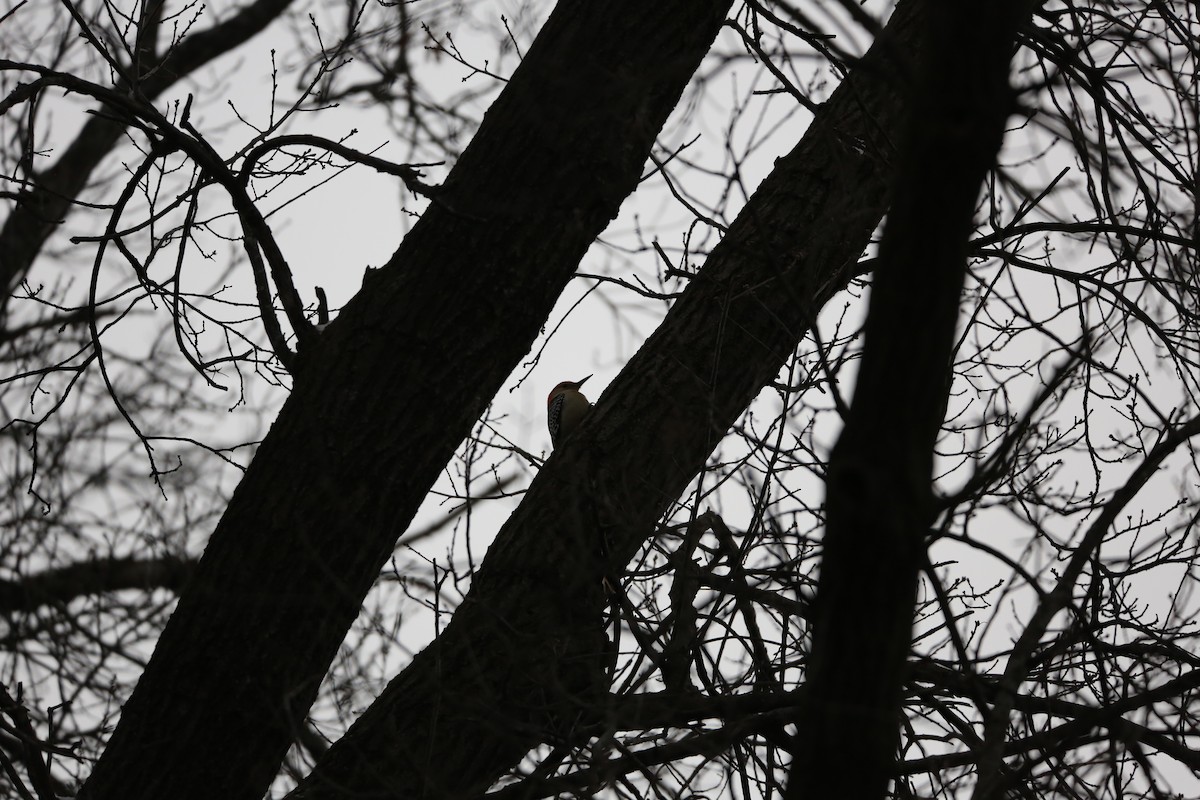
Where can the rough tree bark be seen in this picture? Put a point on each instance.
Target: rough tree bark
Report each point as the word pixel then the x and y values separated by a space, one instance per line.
pixel 518 663
pixel 361 439
pixel 879 501
pixel 389 390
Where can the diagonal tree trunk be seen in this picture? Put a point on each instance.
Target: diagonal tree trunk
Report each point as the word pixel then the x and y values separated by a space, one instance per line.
pixel 389 390
pixel 521 660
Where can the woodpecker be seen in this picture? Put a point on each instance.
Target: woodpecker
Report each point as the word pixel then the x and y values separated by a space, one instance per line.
pixel 565 407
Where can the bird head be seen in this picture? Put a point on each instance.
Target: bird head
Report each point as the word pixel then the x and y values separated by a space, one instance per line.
pixel 564 387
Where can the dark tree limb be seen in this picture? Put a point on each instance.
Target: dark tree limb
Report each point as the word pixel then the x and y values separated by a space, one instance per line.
pixel 385 394
pixel 61 585
pixel 879 499
pixel 991 766
pixel 518 665
pixel 42 206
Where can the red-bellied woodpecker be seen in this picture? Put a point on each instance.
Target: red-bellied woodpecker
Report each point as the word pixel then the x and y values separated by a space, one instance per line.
pixel 565 407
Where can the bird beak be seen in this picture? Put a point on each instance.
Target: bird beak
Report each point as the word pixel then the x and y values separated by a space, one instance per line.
pixel 580 383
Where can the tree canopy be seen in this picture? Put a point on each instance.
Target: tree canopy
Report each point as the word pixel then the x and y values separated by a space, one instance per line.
pixel 891 490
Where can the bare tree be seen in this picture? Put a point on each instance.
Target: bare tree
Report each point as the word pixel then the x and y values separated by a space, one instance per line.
pixel 995 598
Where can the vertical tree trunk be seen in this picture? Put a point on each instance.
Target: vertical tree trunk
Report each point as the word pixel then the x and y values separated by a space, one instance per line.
pixel 879 502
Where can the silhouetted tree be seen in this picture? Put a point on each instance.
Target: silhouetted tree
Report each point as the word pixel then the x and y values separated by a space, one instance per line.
pixel 985 588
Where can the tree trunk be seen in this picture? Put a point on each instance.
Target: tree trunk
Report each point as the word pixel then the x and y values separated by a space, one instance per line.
pixel 520 661
pixel 879 502
pixel 389 390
